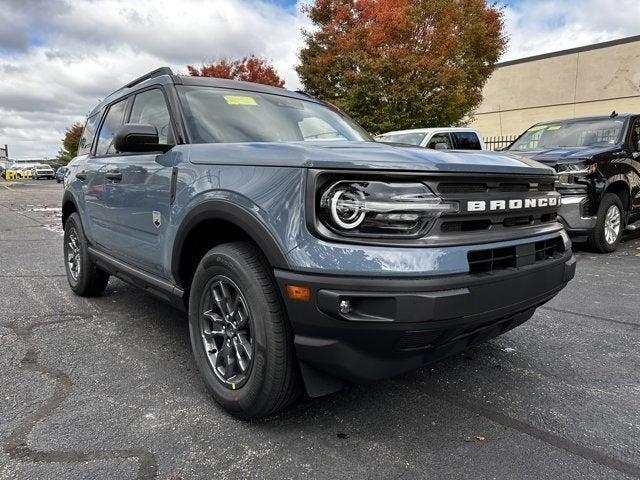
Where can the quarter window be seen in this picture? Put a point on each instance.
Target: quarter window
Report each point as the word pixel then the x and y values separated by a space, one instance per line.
pixel 84 147
pixel 150 108
pixel 109 127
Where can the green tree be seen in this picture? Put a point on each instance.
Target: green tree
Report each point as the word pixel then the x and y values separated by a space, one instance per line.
pixel 70 144
pixel 395 64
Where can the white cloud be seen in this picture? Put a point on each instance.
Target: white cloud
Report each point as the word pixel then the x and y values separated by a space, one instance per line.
pixel 542 26
pixel 59 57
pixel 80 51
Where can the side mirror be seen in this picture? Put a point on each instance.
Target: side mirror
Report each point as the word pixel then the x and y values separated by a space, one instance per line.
pixel 138 138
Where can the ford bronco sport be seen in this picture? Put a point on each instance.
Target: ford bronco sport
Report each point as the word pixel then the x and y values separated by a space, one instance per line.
pixel 303 252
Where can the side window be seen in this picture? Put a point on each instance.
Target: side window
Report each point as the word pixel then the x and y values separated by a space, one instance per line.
pixel 109 126
pixel 84 146
pixel 442 140
pixel 150 108
pixel 467 141
pixel 635 136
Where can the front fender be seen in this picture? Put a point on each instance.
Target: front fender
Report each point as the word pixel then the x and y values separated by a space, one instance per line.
pixel 243 218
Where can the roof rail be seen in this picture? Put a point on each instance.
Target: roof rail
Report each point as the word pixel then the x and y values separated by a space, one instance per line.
pixel 155 73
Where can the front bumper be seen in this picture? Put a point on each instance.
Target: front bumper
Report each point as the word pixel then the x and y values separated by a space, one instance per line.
pixel 572 214
pixel 399 324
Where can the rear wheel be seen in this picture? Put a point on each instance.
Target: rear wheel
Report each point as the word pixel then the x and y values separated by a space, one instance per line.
pixel 609 227
pixel 84 278
pixel 240 335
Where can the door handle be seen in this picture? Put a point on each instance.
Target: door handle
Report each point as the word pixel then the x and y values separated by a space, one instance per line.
pixel 113 176
pixel 81 176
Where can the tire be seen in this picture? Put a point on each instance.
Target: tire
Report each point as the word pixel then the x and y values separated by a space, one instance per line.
pixel 88 280
pixel 270 381
pixel 599 239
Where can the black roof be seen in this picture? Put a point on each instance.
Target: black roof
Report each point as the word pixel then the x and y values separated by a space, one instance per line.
pixel 164 76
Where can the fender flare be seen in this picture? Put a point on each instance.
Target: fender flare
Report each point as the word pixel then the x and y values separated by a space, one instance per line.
pixel 219 209
pixel 67 198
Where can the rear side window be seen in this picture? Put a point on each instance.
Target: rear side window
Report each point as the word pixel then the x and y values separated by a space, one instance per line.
pixel 467 141
pixel 150 108
pixel 84 147
pixel 109 127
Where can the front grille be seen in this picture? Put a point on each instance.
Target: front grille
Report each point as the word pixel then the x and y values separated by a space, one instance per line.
pixel 466 226
pixel 453 188
pixel 548 249
pixel 496 259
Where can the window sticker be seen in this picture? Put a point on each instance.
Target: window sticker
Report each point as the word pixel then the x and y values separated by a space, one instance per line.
pixel 537 128
pixel 240 100
pixel 554 127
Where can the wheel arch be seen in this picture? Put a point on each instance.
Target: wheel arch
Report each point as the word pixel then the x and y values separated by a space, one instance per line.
pixel 620 186
pixel 69 205
pixel 235 223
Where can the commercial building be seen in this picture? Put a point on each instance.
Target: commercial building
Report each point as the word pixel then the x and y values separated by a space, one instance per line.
pixel 595 79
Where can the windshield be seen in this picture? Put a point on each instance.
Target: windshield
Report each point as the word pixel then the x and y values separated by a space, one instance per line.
pixel 570 133
pixel 216 115
pixel 406 138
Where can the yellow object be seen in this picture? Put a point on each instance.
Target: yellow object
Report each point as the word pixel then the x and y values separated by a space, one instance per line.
pixel 296 292
pixel 240 100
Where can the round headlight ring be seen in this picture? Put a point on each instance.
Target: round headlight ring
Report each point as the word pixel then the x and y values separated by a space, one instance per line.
pixel 345 217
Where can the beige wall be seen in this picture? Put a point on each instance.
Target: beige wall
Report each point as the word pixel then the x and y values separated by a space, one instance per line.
pixel 595 81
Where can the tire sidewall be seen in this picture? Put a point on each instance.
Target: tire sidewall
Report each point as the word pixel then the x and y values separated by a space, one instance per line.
pixel 220 263
pixel 78 285
pixel 609 200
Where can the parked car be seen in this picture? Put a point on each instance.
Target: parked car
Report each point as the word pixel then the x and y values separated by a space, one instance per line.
pixel 597 160
pixel 447 138
pixel 301 249
pixel 24 171
pixel 60 174
pixel 10 173
pixel 42 171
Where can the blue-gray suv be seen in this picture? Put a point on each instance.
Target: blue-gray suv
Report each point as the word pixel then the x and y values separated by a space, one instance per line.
pixel 304 252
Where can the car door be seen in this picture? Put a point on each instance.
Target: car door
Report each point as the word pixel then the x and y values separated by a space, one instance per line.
pixel 466 141
pixel 137 189
pixel 634 176
pixel 442 139
pixel 92 173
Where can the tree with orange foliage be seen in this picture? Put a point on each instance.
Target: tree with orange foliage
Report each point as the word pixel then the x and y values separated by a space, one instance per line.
pixel 396 64
pixel 70 144
pixel 250 69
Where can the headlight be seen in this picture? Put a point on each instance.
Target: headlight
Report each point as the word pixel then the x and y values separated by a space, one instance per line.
pixel 376 208
pixel 571 172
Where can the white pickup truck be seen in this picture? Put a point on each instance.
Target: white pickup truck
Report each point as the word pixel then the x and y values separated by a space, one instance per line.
pixel 454 138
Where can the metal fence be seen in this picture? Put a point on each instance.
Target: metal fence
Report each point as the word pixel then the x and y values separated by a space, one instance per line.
pixel 498 143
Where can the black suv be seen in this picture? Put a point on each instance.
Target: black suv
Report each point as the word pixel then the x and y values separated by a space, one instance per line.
pixel 597 161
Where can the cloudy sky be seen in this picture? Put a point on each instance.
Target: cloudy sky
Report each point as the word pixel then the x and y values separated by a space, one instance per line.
pixel 59 57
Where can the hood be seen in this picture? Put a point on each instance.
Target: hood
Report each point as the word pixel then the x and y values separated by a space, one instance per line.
pixel 554 156
pixel 362 155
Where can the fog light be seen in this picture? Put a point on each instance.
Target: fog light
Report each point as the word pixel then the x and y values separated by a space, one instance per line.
pixel 345 306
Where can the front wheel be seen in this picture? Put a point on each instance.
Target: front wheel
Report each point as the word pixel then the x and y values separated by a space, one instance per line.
pixel 241 338
pixel 84 278
pixel 609 227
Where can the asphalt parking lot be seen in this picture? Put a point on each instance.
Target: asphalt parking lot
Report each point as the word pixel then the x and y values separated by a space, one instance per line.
pixel 107 388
